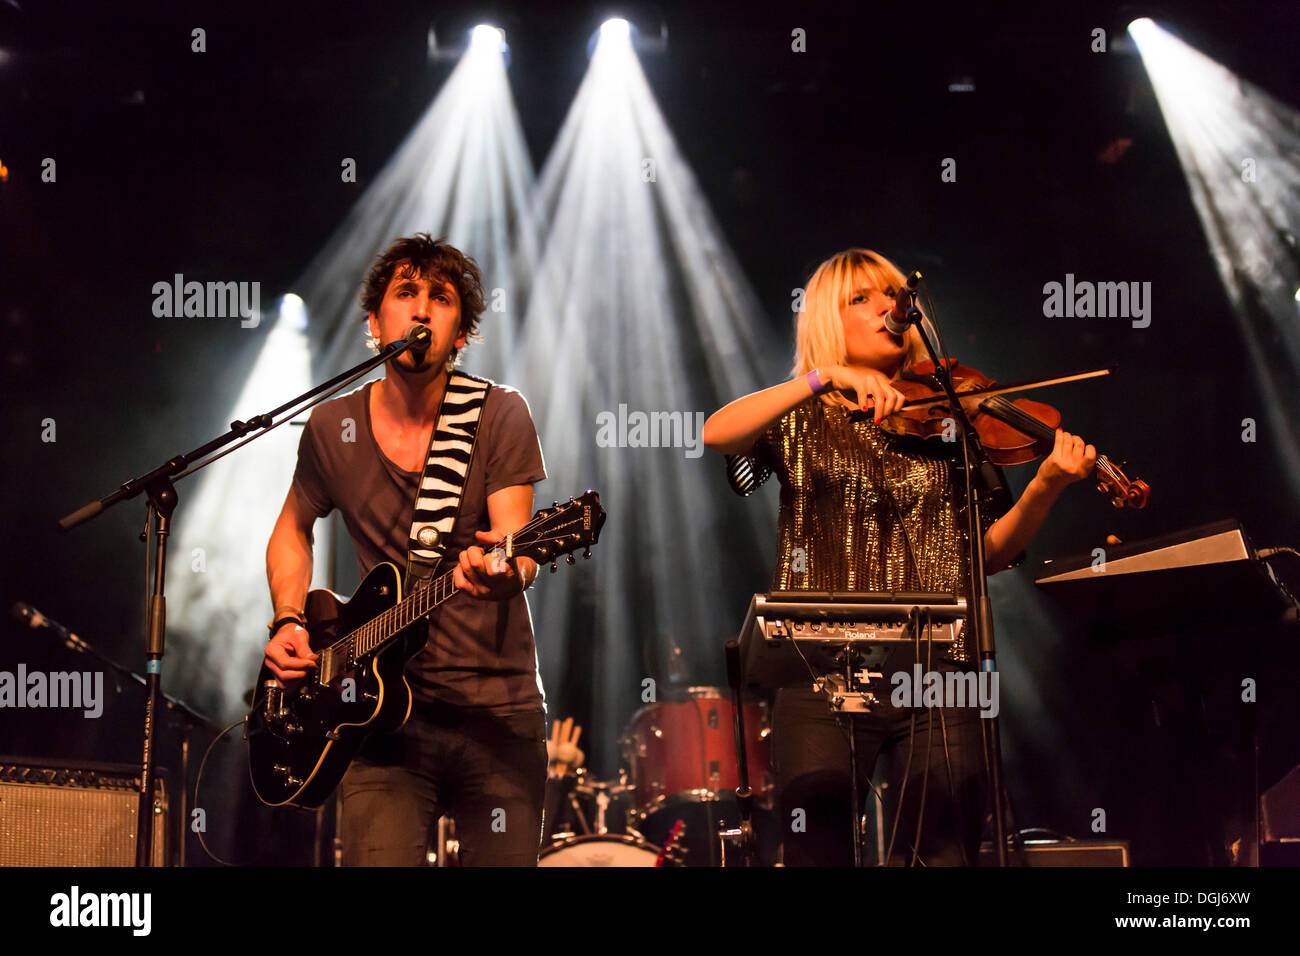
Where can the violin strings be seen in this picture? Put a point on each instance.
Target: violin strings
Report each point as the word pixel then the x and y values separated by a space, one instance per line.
pixel 1005 409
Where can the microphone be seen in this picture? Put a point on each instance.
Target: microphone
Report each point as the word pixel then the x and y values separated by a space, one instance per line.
pixel 39 622
pixel 419 337
pixel 28 615
pixel 903 316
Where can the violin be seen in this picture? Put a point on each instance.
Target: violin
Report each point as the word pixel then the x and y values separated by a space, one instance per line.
pixel 1012 430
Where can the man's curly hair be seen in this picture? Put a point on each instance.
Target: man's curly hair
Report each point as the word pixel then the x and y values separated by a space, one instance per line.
pixel 436 260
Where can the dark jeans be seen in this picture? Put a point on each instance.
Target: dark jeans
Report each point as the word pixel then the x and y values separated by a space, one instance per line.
pixel 810 752
pixel 489 773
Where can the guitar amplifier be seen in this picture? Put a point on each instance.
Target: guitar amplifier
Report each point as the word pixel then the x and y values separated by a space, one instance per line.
pixel 1062 853
pixel 74 816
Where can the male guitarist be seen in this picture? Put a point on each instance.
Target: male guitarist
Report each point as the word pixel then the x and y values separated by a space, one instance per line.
pixel 475 743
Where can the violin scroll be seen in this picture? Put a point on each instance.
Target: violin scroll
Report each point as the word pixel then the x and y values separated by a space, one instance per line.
pixel 1124 492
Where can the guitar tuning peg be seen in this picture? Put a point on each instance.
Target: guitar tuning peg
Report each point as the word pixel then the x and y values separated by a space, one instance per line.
pixel 571 497
pixel 586 553
pixel 555 504
pixel 554 567
pixel 570 558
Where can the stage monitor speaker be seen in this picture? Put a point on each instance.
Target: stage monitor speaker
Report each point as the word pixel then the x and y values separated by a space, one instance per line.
pixel 1060 853
pixel 1280 809
pixel 74 816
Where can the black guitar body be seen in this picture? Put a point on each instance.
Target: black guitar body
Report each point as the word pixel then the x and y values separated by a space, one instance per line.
pixel 300 745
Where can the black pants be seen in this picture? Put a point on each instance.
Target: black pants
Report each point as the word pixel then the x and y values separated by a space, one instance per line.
pixel 811 762
pixel 489 773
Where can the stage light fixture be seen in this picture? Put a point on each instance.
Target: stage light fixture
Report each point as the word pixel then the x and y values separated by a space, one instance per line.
pixel 489 38
pixel 616 30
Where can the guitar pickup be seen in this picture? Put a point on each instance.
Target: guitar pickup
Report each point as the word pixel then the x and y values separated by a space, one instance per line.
pixel 326 669
pixel 273 704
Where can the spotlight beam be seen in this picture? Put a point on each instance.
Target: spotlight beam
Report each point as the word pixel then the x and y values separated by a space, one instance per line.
pixel 638 304
pixel 1240 153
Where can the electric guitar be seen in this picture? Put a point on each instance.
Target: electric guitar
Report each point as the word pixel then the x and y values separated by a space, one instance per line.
pixel 302 738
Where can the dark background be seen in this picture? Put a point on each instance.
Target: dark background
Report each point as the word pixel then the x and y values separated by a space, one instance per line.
pixel 226 164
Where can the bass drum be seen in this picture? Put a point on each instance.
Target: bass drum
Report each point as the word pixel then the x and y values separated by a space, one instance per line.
pixel 600 849
pixel 681 754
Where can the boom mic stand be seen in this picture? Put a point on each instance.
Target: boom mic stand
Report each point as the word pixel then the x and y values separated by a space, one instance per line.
pixel 981 481
pixel 158 487
pixel 188 718
pixel 744 834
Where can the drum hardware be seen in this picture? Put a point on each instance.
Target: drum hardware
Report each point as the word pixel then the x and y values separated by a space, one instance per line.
pixel 446 848
pixel 742 837
pixel 575 805
pixel 607 796
pixel 602 804
pixel 735 839
pixel 598 808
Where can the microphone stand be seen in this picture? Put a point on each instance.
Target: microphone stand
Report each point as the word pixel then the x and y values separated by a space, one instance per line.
pixel 981 480
pixel 744 793
pixel 161 493
pixel 189 719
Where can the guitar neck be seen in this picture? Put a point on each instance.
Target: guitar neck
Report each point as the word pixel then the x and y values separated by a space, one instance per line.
pixel 551 532
pixel 383 627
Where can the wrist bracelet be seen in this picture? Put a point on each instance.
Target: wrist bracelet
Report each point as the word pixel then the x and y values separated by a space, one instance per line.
pixel 815 382
pixel 282 621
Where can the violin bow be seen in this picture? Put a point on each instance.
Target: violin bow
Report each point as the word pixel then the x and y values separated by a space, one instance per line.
pixel 1013 387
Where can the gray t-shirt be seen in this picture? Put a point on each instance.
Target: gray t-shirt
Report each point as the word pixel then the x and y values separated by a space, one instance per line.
pixel 480 654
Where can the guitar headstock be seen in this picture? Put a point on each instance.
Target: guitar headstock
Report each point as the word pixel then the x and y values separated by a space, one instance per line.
pixel 561 529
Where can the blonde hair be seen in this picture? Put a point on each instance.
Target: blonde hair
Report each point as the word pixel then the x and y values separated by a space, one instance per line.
pixel 819 331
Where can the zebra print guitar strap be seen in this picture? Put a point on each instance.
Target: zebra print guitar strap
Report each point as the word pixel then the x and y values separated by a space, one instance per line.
pixel 446 469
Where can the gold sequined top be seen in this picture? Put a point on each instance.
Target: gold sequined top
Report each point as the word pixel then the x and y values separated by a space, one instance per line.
pixel 838 528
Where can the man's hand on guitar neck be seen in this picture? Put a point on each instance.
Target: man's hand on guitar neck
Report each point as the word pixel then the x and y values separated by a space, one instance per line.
pixel 289 655
pixel 491 577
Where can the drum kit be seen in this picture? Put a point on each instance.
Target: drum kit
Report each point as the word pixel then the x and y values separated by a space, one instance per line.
pixel 675 794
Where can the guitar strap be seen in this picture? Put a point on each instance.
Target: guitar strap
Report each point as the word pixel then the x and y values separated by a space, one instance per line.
pixel 446 469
